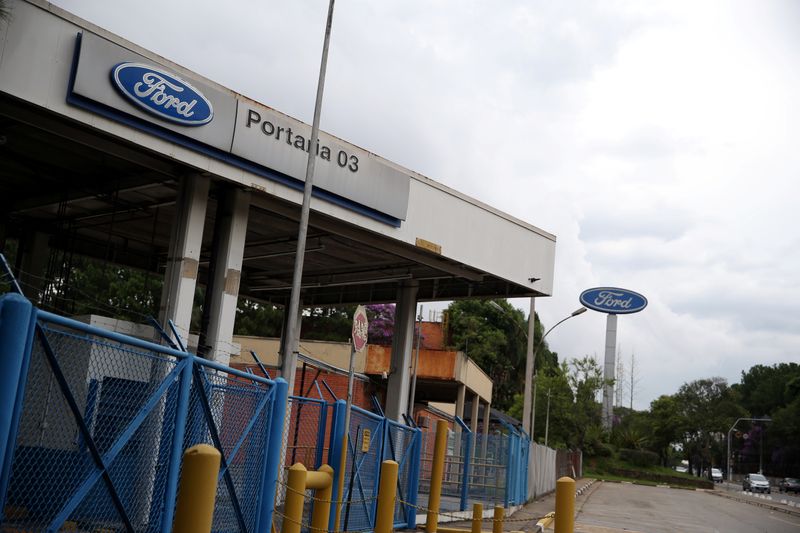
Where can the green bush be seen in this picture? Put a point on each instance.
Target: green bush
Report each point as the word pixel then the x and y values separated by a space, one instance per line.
pixel 602 449
pixel 639 457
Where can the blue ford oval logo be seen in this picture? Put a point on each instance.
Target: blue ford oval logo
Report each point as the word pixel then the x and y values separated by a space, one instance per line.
pixel 162 94
pixel 613 300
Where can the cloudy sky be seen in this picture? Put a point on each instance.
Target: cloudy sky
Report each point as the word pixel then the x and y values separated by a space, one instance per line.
pixel 657 140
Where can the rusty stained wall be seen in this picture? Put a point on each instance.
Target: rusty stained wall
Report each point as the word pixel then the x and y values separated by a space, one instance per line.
pixel 433 364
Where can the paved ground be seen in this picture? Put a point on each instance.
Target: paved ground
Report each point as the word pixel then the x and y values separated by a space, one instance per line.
pixel 604 507
pixel 611 507
pixel 525 519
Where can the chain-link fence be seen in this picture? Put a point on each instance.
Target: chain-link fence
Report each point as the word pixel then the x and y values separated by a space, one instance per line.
pixel 101 423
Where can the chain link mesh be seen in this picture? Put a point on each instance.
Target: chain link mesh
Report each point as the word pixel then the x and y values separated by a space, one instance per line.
pixel 126 397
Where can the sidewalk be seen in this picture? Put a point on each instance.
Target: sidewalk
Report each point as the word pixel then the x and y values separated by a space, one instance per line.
pixel 525 519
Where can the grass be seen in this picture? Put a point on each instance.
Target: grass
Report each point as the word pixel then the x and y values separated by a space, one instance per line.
pixel 606 468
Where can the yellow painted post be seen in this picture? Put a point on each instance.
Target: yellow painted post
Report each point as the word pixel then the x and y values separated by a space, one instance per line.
pixel 197 490
pixel 437 473
pixel 322 481
pixel 295 494
pixel 565 505
pixel 387 492
pixel 477 517
pixel 499 514
pixel 342 467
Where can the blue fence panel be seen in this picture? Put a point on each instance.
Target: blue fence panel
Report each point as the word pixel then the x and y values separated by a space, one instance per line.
pixel 232 413
pixel 362 469
pixel 104 421
pixel 402 444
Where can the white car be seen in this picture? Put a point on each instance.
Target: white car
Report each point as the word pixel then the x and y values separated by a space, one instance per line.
pixel 716 475
pixel 756 483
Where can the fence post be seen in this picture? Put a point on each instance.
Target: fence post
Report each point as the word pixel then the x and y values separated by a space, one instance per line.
pixel 272 457
pixel 509 469
pixel 477 518
pixel 174 467
pixel 387 495
pixel 413 479
pixel 334 459
pixel 497 522
pixel 437 474
pixel 194 511
pixel 467 462
pixel 17 319
pixel 565 505
pixel 321 427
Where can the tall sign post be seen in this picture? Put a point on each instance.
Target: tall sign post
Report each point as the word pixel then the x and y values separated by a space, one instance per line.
pixel 359 342
pixel 613 301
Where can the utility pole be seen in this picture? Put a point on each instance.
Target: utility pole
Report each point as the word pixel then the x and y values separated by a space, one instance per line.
pixel 289 362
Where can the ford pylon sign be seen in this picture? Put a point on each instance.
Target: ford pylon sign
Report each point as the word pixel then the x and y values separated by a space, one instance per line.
pixel 613 300
pixel 162 94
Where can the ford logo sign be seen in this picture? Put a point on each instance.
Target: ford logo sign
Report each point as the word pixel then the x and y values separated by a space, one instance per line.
pixel 613 300
pixel 164 95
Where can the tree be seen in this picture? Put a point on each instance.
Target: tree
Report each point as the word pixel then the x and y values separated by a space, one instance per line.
pixel 381 323
pixel 667 425
pixel 708 407
pixel 496 340
pixel 258 319
pixel 328 323
pixel 585 380
pixel 765 389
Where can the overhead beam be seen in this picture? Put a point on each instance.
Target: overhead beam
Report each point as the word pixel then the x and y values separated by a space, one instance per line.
pixel 401 250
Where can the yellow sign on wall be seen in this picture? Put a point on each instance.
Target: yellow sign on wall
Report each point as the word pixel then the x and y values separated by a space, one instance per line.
pixel 365 441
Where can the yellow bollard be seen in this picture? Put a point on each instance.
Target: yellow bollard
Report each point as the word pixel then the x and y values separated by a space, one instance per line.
pixel 565 505
pixel 322 481
pixel 342 466
pixel 477 517
pixel 197 491
pixel 387 492
pixel 295 496
pixel 499 514
pixel 437 473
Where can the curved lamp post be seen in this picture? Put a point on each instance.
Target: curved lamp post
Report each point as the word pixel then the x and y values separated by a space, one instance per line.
pixel 766 419
pixel 533 352
pixel 576 312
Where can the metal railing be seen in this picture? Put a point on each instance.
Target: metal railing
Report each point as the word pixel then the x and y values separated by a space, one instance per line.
pixel 100 421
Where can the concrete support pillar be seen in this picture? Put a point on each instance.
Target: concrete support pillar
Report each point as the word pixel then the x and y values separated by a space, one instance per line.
pixel 461 397
pixel 180 279
pixel 33 265
pixel 608 371
pixel 530 364
pixel 473 416
pixel 487 415
pixel 224 287
pixel 399 380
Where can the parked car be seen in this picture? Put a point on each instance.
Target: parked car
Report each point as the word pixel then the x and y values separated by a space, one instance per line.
pixel 716 475
pixel 789 484
pixel 756 483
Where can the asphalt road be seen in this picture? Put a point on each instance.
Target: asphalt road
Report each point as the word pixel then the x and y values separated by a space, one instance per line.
pixel 611 507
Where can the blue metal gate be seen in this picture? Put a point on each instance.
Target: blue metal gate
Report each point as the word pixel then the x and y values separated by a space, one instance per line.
pixel 100 422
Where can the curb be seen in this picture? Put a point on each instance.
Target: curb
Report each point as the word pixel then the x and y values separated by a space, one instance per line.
pixel 585 487
pixel 764 504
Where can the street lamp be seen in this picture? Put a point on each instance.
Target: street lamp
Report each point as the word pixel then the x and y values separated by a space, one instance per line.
pixel 532 353
pixel 764 419
pixel 575 313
